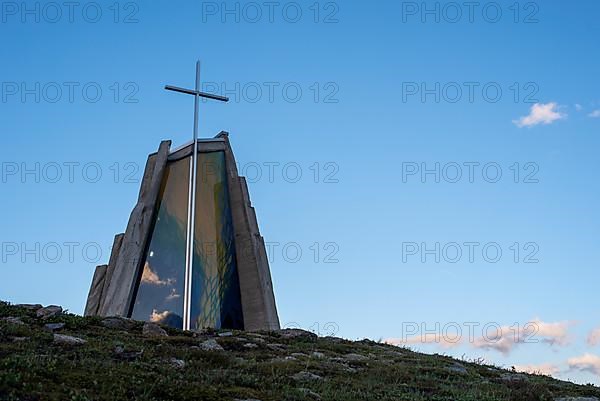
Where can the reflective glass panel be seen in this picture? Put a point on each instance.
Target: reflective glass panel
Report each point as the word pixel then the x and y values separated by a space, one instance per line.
pixel 216 300
pixel 159 296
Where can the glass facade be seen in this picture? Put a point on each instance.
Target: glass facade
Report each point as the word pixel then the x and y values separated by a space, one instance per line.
pixel 215 298
pixel 160 293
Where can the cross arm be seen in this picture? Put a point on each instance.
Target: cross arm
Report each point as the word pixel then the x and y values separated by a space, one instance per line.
pixel 196 93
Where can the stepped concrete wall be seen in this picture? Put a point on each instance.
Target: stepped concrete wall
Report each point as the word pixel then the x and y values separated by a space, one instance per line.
pixel 113 286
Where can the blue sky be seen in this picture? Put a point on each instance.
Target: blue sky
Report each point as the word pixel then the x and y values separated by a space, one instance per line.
pixel 367 96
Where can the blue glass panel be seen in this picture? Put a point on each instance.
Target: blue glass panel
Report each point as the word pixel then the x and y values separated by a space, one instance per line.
pixel 159 296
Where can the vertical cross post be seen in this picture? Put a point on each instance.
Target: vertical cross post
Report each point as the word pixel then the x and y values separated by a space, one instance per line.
pixel 191 215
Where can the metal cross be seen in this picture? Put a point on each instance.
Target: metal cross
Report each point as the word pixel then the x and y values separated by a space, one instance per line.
pixel 189 250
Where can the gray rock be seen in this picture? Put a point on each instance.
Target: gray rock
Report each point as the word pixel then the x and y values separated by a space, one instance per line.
pixel 153 330
pixel 225 334
pixel 19 339
pixel 177 363
pixel 127 356
pixel 576 399
pixel 49 312
pixel 118 323
pixel 395 354
pixel 318 355
pixel 458 368
pixel 309 393
pixel 355 358
pixel 53 326
pixel 211 345
pixel 306 376
pixel 276 347
pixel 349 369
pixel 250 345
pixel 299 355
pixel 283 360
pixel 33 307
pixel 296 333
pixel 68 340
pixel 513 377
pixel 13 320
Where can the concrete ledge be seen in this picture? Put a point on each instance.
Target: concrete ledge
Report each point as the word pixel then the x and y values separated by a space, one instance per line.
pixel 94 297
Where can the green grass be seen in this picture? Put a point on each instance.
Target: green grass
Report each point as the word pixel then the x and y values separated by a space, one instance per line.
pixel 36 368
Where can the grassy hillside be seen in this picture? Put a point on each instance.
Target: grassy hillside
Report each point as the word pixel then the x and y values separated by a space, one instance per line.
pixel 49 355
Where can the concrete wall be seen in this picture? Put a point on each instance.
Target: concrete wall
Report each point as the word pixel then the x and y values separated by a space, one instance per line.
pixel 113 286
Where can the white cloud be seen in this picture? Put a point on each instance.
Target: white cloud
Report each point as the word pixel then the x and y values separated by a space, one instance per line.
pixel 149 276
pixel 494 337
pixel 594 337
pixel 506 338
pixel 158 317
pixel 595 114
pixel 586 363
pixel 552 333
pixel 541 113
pixel 173 295
pixel 546 369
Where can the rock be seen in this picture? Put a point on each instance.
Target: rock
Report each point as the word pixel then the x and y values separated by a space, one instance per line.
pixel 68 340
pixel 349 369
pixel 49 312
pixel 283 360
pixel 355 358
pixel 309 393
pixel 296 333
pixel 211 345
pixel 250 345
pixel 20 339
pixel 306 376
pixel 395 354
pixel 299 355
pixel 53 326
pixel 33 307
pixel 127 356
pixel 335 340
pixel 13 320
pixel 118 323
pixel 513 377
pixel 276 347
pixel 318 355
pixel 458 368
pixel 202 332
pixel 225 334
pixel 153 330
pixel 177 363
pixel 577 399
pixel 238 399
